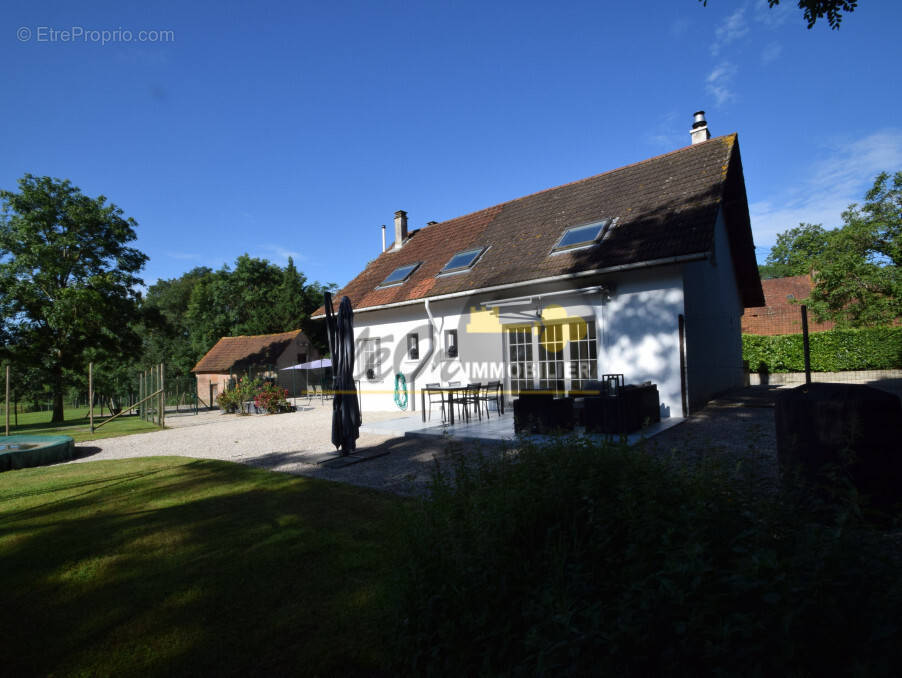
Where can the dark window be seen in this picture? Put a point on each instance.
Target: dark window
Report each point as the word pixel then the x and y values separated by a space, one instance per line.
pixel 413 346
pixel 399 275
pixel 581 236
pixel 451 343
pixel 463 260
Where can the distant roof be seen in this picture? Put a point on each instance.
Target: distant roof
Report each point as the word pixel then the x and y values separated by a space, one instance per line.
pixel 231 353
pixel 664 207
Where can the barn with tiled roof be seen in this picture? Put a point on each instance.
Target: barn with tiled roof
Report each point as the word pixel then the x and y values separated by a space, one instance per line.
pixel 263 355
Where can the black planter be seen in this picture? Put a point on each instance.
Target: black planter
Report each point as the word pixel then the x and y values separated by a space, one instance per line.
pixel 542 413
pixel 626 411
pixel 850 429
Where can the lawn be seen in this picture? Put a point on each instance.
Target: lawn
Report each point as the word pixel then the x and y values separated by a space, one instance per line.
pixel 76 425
pixel 172 566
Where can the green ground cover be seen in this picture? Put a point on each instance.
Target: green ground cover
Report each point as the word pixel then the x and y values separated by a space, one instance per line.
pixel 76 425
pixel 171 566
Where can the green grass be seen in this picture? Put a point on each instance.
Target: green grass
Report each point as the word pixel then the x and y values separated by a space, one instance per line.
pixel 171 566
pixel 76 425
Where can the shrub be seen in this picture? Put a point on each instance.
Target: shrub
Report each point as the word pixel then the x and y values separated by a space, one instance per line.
pixel 228 401
pixel 878 348
pixel 271 398
pixel 580 559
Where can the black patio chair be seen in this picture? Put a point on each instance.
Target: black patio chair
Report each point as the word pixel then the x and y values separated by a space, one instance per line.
pixel 492 393
pixel 471 399
pixel 435 396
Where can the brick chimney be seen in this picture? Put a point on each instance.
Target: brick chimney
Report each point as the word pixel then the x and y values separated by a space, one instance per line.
pixel 400 229
pixel 699 131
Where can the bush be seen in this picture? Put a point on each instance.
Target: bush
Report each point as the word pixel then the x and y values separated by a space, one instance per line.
pixel 576 559
pixel 272 398
pixel 878 348
pixel 228 401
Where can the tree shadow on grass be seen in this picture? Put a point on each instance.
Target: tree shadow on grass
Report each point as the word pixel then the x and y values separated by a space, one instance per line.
pixel 187 567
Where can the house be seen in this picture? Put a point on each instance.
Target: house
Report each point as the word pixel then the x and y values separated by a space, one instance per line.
pixel 642 271
pixel 263 355
pixel 781 313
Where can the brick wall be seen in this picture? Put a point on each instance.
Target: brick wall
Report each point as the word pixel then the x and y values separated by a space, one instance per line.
pixel 780 315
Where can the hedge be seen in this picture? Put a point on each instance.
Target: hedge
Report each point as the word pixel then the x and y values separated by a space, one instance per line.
pixel 878 348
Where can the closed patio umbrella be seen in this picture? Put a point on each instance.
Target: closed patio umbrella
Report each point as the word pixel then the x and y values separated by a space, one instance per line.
pixel 345 409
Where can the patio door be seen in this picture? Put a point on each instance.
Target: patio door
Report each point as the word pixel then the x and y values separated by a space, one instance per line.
pixel 559 357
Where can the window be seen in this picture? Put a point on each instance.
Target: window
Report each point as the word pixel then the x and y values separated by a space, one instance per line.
pixel 560 357
pixel 583 354
pixel 463 261
pixel 399 275
pixel 519 352
pixel 582 236
pixel 451 343
pixel 413 346
pixel 370 355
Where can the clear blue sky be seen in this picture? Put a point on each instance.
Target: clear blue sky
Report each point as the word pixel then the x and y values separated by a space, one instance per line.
pixel 297 128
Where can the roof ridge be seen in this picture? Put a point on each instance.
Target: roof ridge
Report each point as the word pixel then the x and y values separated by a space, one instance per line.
pixel 732 136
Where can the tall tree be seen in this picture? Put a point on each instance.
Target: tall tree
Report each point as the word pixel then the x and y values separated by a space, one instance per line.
pixel 795 251
pixel 857 276
pixel 67 278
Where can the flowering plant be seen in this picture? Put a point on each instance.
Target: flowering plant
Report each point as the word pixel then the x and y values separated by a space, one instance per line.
pixel 271 398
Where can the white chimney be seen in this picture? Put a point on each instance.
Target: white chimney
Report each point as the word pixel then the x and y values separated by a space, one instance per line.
pixel 400 228
pixel 383 237
pixel 699 131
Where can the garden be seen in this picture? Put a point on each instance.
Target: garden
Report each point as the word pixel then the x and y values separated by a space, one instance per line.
pixel 266 397
pixel 568 558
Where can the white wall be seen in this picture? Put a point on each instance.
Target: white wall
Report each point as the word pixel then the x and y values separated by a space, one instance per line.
pixel 637 335
pixel 713 334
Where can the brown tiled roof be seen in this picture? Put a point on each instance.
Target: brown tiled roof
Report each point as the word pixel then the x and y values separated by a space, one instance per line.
pixel 666 207
pixel 238 352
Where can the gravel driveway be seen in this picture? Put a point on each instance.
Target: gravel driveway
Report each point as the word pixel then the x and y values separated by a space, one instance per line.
pixel 736 428
pixel 297 442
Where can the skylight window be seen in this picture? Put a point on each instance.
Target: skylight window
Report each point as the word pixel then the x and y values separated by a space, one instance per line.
pixel 581 236
pixel 399 275
pixel 463 260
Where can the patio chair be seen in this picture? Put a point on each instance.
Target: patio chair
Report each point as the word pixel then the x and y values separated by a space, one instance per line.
pixel 492 392
pixel 471 399
pixel 435 397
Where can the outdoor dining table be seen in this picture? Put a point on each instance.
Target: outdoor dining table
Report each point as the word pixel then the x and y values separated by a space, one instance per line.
pixel 450 390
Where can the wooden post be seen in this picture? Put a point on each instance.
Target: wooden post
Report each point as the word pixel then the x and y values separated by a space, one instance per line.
pixel 7 401
pixel 162 396
pixel 805 347
pixel 91 395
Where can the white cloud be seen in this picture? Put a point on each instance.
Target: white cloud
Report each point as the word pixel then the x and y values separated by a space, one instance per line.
pixel 719 83
pixel 839 179
pixel 732 28
pixel 772 17
pixel 679 27
pixel 665 135
pixel 771 52
pixel 281 254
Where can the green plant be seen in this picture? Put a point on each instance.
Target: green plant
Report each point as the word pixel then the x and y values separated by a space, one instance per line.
pixel 271 398
pixel 228 401
pixel 878 348
pixel 580 559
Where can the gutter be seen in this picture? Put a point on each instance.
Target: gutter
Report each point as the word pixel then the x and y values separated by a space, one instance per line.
pixel 425 359
pixel 684 258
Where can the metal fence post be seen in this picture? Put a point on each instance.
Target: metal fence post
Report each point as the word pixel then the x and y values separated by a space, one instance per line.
pixel 91 395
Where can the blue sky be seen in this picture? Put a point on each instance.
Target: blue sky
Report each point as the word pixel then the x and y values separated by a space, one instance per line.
pixel 296 128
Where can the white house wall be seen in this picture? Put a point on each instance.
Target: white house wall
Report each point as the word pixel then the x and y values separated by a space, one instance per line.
pixel 713 312
pixel 636 330
pixel 640 337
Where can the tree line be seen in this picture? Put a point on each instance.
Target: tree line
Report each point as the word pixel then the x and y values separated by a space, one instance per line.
pixel 855 266
pixel 70 294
